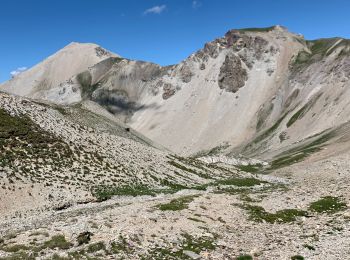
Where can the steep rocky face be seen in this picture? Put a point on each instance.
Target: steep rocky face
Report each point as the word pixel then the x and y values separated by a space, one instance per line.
pixel 232 76
pixel 264 89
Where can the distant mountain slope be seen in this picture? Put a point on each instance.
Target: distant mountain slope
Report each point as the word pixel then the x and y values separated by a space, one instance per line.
pixel 56 72
pixel 252 92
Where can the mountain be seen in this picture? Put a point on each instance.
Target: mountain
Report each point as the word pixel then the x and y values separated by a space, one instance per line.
pixel 55 73
pixel 241 151
pixel 251 92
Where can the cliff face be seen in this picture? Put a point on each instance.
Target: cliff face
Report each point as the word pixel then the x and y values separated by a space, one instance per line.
pixel 253 91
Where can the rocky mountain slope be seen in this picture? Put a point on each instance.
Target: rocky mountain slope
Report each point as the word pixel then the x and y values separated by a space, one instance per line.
pixel 77 185
pixel 53 157
pixel 264 89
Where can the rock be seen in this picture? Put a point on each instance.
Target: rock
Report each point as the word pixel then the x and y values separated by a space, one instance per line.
pixel 168 91
pixel 84 238
pixel 232 75
pixel 186 73
pixel 191 254
pixel 211 49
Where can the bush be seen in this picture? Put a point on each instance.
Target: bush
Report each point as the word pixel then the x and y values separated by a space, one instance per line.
pixel 328 204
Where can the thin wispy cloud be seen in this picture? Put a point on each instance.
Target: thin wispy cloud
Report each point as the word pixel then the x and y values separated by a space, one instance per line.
pixel 196 4
pixel 158 9
pixel 18 71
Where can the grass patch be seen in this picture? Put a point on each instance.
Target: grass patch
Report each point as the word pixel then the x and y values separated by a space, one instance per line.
pixel 189 243
pixel 198 244
pixel 299 114
pixel 58 241
pixel 241 182
pixel 102 193
pixel 244 257
pixel 14 248
pixel 321 46
pixel 250 167
pixel 213 151
pixel 84 238
pixel 253 29
pixel 318 50
pixel 96 247
pixel 300 152
pixel 181 167
pixel 121 245
pixel 297 257
pixel 18 256
pixel 265 134
pixel 328 204
pixel 302 111
pixel 259 214
pixel 177 204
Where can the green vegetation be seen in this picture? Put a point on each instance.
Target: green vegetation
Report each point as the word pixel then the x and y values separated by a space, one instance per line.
pixel 58 241
pixel 189 243
pixel 191 165
pixel 263 115
pixel 302 57
pixel 177 204
pixel 62 110
pixel 302 111
pixel 267 133
pixel 328 204
pixel 240 182
pixel 244 257
pixel 29 252
pixel 263 29
pixel 181 167
pixel 214 151
pixel 300 152
pixel 299 114
pixel 96 247
pixel 120 245
pixel 318 50
pixel 250 167
pixel 84 238
pixel 259 214
pixel 297 257
pixel 14 248
pixel 291 98
pixel 321 46
pixel 102 193
pixel 19 256
pixel 197 244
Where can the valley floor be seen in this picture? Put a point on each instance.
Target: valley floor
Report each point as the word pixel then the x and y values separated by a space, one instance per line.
pixel 302 214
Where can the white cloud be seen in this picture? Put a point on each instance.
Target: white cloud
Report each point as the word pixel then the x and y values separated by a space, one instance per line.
pixel 18 71
pixel 196 4
pixel 155 9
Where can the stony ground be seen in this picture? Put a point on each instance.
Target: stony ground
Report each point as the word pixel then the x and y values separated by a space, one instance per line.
pixel 220 222
pixel 70 191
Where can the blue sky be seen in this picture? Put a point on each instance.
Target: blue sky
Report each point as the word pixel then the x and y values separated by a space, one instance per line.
pixel 160 31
